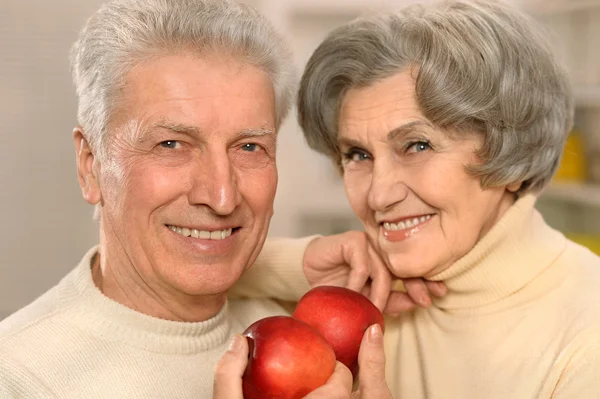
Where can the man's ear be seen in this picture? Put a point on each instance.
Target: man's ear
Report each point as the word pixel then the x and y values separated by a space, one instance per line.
pixel 88 181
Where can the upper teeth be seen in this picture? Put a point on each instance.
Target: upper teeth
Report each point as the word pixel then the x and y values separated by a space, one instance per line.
pixel 406 224
pixel 207 235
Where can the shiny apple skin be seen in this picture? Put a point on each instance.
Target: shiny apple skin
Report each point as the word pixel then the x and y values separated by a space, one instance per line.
pixel 287 359
pixel 341 316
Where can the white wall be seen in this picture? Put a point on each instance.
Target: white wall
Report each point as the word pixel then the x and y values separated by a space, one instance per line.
pixel 46 226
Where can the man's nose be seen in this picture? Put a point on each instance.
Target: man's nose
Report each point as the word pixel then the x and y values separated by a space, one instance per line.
pixel 215 184
pixel 388 186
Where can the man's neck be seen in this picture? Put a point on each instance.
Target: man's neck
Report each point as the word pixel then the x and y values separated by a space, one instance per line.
pixel 144 299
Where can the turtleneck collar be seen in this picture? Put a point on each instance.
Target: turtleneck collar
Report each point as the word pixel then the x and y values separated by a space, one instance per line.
pixel 91 309
pixel 516 250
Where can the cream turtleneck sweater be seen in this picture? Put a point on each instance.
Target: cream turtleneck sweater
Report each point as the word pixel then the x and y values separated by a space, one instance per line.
pixel 521 319
pixel 73 342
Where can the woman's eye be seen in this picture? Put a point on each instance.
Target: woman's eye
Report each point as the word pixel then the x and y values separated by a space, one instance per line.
pixel 356 155
pixel 170 144
pixel 419 146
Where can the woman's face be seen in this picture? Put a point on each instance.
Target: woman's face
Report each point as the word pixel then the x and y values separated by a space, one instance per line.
pixel 407 180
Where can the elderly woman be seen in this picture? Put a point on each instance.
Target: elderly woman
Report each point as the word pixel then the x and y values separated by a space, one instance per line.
pixel 447 121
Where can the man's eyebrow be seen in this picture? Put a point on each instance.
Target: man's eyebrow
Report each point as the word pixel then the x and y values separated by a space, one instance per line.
pixel 174 127
pixel 407 128
pixel 256 132
pixel 194 132
pixel 177 128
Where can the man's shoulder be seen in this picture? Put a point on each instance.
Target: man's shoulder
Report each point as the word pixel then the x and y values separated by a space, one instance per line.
pixel 39 311
pixel 37 323
pixel 46 308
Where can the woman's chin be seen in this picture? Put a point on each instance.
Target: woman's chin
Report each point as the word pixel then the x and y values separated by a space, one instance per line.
pixel 402 267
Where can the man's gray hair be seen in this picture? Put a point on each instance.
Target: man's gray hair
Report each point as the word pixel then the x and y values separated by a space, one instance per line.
pixel 124 33
pixel 478 64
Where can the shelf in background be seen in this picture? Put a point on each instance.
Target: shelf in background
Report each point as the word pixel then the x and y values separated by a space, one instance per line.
pixel 577 193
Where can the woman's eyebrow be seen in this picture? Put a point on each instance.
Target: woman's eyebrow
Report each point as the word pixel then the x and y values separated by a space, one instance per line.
pixel 406 128
pixel 348 142
pixel 394 134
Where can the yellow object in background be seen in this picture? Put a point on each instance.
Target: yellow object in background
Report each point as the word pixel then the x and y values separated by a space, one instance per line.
pixel 587 240
pixel 573 166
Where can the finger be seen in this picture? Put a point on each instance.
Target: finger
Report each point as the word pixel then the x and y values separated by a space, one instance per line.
pixel 437 288
pixel 398 302
pixel 357 257
pixel 371 365
pixel 381 280
pixel 230 369
pixel 417 291
pixel 339 385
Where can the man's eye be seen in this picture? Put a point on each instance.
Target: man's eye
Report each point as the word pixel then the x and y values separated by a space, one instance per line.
pixel 250 147
pixel 170 144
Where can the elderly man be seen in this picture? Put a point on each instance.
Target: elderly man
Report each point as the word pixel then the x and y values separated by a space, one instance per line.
pixel 179 105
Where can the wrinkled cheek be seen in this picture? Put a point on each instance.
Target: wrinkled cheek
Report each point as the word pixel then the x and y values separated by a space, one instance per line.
pixel 357 193
pixel 259 192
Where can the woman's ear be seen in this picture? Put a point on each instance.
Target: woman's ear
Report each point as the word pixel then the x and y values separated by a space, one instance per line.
pixel 88 181
pixel 514 187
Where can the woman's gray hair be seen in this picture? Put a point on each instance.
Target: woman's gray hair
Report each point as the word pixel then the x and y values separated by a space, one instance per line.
pixel 478 64
pixel 124 33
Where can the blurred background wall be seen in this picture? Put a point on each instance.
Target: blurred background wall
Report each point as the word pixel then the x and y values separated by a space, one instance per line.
pixel 47 226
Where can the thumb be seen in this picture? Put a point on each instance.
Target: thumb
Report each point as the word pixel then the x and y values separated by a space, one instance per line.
pixel 230 369
pixel 371 365
pixel 339 385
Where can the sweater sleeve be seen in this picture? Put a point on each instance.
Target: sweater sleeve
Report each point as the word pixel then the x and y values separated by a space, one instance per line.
pixel 277 272
pixel 581 376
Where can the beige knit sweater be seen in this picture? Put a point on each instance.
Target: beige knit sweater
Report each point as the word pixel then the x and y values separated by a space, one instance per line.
pixel 73 342
pixel 521 319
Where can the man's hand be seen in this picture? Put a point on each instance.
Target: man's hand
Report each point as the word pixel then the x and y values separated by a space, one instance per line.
pixel 348 260
pixel 230 369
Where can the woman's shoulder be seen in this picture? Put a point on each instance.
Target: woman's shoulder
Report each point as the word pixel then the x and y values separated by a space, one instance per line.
pixel 581 262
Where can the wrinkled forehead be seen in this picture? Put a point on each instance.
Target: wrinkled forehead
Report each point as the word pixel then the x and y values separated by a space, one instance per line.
pixel 190 95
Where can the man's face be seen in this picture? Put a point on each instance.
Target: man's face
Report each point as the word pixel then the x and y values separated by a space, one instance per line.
pixel 188 183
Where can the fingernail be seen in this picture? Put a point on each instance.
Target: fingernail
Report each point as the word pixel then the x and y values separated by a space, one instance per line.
pixel 424 301
pixel 234 344
pixel 443 288
pixel 375 334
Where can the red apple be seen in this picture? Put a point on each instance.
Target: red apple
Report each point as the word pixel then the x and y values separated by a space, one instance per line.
pixel 341 316
pixel 287 359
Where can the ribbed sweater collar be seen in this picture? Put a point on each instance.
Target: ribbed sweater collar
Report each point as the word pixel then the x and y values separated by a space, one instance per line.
pixel 516 250
pixel 89 308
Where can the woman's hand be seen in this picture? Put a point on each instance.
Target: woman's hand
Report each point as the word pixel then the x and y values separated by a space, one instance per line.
pixel 230 369
pixel 371 367
pixel 348 260
pixel 371 374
